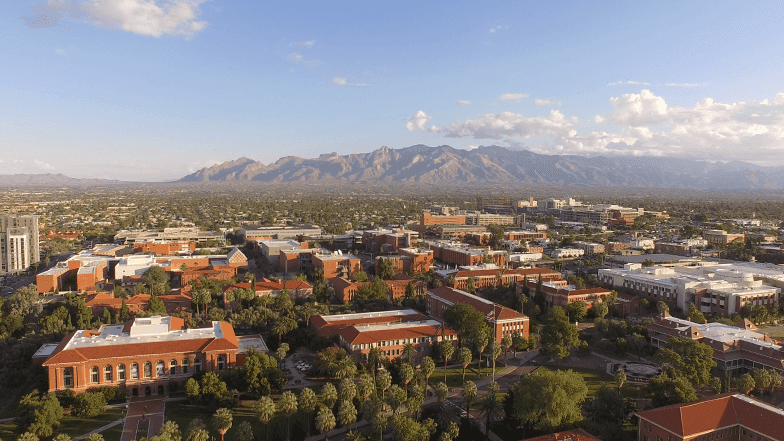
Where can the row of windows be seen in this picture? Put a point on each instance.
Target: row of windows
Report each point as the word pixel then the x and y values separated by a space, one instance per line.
pixel 133 372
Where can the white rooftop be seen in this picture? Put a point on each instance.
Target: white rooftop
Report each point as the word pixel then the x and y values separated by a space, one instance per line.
pixel 394 326
pixel 365 315
pixel 724 333
pixel 143 330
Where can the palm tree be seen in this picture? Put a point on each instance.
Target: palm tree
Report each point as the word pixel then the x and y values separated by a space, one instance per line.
pixel 347 413
pixel 379 422
pixel 481 342
pixel 620 378
pixel 446 351
pixel 427 366
pixel 495 351
pixel 281 352
pixel 347 390
pixel 465 357
pixel 491 409
pixel 365 386
pixel 307 404
pixel 409 352
pixel 396 397
pixel 345 368
pixel 329 395
pixel 469 395
pixel 442 390
pixel 406 375
pixel 325 421
pixel 265 410
pixel 222 421
pixel 308 311
pixel 287 406
pixel 506 343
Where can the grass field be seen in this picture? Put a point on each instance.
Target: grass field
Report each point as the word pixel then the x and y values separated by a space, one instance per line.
pixel 773 331
pixel 72 426
pixel 454 376
pixel 594 379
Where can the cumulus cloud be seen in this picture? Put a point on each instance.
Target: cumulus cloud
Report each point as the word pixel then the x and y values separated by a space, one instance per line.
pixel 42 165
pixel 418 121
pixel 639 109
pixel 495 29
pixel 146 17
pixel 510 125
pixel 463 102
pixel 513 96
pixel 541 102
pixel 637 83
pixel 433 129
pixel 339 81
pixel 598 119
pixel 299 59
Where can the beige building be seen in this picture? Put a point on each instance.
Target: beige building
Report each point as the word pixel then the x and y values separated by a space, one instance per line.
pixel 19 247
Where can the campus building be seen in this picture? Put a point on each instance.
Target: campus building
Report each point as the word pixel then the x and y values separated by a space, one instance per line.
pixel 131 237
pixel 19 246
pixel 560 293
pixel 248 233
pixel 336 264
pixel 735 349
pixel 144 355
pixel 725 417
pixel 490 275
pixel 329 325
pixel 391 339
pixel 502 320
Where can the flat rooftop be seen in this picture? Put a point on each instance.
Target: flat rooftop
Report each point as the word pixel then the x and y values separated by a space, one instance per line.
pixel 144 330
pixel 724 333
pixel 367 315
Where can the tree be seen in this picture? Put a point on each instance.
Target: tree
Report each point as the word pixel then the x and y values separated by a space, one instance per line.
pixel 192 389
pixel 28 436
pixel 409 352
pixel 745 383
pixel 125 313
pixel 620 378
pixel 548 400
pixel 519 343
pixel 506 343
pixel 383 382
pixel 480 340
pixel 442 390
pixel 245 432
pixel 265 410
pixel 558 335
pixel 494 350
pixel 325 421
pixel 428 366
pixel 689 357
pixel 406 429
pixel 600 309
pixel 287 405
pixel 348 390
pixel 281 351
pixel 39 414
pixel 670 388
pixel 222 420
pixel 170 432
pixel 345 368
pixel 395 397
pixel 470 392
pixel 491 409
pixel 761 378
pixel 695 315
pixel 715 385
pixel 197 431
pixel 464 319
pixel 662 307
pixel 465 357
pixel 379 422
pixel 157 280
pixel 89 405
pixel 201 297
pixel 365 386
pixel 577 311
pixel 608 411
pixel 347 413
pixel 446 349
pixel 386 268
pixel 307 401
pixel 406 374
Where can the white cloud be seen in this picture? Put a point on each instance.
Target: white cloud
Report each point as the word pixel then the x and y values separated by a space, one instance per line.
pixel 639 109
pixel 463 102
pixel 779 98
pixel 339 81
pixel 297 58
pixel 636 83
pixel 418 121
pixel 60 52
pixel 513 96
pixel 470 147
pixel 146 17
pixel 495 29
pixel 42 165
pixel 598 119
pixel 540 102
pixel 433 129
pixel 309 43
pixel 510 125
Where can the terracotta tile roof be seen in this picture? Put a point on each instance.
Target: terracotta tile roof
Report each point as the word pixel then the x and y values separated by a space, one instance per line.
pixel 573 434
pixel 318 321
pixel 688 419
pixel 486 307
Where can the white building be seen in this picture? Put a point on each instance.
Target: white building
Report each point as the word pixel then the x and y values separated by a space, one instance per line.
pixel 565 253
pixel 133 265
pixel 19 246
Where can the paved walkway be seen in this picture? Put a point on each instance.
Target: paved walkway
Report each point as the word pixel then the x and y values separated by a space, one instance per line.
pixel 100 429
pixel 141 409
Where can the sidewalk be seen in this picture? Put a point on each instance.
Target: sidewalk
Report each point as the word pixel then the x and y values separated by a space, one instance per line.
pixel 100 429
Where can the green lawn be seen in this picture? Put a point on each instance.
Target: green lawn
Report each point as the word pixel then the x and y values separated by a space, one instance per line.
pixel 454 376
pixel 773 331
pixel 71 426
pixel 595 378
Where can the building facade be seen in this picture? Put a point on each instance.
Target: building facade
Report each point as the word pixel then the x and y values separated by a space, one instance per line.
pixel 19 246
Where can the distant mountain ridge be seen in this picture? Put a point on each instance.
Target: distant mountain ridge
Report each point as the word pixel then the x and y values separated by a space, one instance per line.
pixel 496 165
pixel 49 179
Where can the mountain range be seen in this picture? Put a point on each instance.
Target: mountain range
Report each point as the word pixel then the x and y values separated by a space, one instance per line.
pixel 496 165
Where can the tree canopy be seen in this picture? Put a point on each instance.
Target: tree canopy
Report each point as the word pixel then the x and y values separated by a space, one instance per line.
pixel 548 399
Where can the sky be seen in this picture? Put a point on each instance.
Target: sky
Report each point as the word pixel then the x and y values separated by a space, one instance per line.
pixel 151 90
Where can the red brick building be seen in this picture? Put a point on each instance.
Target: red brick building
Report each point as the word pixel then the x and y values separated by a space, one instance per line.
pixel 561 294
pixel 726 417
pixel 164 248
pixel 346 290
pixel 336 265
pixel 391 339
pixel 102 300
pixel 502 320
pixel 421 259
pixel 490 277
pixel 144 355
pixel 267 287
pixel 329 325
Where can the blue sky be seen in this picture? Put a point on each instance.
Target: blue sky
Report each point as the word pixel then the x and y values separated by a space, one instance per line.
pixel 153 89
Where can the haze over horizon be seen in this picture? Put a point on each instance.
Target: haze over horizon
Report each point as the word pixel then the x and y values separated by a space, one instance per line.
pixel 151 90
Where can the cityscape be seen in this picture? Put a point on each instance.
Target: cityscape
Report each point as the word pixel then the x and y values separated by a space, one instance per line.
pixel 517 221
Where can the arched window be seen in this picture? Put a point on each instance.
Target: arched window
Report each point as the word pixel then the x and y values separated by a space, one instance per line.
pixel 120 372
pixel 197 365
pixel 68 377
pixel 173 367
pixel 147 370
pixel 185 364
pixel 135 371
pixel 160 369
pixel 221 362
pixel 94 374
pixel 107 374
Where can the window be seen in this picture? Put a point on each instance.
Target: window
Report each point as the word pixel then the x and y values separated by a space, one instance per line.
pixel 121 372
pixel 68 377
pixel 94 374
pixel 197 365
pixel 221 362
pixel 185 364
pixel 160 369
pixel 173 367
pixel 148 370
pixel 134 371
pixel 107 374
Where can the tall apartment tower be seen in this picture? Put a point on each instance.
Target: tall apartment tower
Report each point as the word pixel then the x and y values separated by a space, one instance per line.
pixel 18 243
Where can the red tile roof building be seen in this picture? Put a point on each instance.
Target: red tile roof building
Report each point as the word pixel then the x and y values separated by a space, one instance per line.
pixel 566 435
pixel 329 325
pixel 562 294
pixel 346 290
pixel 336 265
pixel 502 320
pixel 267 287
pixel 731 417
pixel 99 301
pixel 391 339
pixel 144 355
pixel 165 248
pixel 489 277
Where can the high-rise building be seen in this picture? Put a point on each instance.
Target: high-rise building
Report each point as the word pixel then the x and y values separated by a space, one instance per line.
pixel 18 243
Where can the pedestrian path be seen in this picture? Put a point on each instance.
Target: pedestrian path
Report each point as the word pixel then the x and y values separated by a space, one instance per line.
pixel 144 410
pixel 100 429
